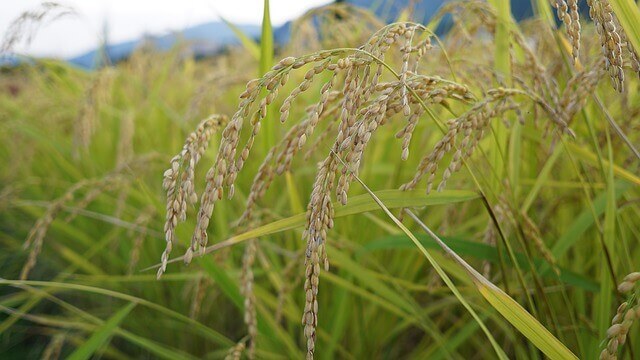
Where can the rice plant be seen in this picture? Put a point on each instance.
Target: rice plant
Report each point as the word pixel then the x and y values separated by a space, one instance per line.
pixel 473 195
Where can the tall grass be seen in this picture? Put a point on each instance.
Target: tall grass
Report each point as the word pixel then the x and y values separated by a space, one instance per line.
pixel 524 241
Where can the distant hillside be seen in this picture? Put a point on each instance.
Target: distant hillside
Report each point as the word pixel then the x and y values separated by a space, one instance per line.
pixel 389 10
pixel 210 38
pixel 206 39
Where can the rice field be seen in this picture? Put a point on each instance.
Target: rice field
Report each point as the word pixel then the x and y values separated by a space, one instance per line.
pixel 368 191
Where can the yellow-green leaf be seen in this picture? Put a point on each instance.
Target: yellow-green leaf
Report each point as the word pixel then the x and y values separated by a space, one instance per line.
pixel 525 322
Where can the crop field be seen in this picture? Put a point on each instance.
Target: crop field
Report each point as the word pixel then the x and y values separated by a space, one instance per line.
pixel 365 191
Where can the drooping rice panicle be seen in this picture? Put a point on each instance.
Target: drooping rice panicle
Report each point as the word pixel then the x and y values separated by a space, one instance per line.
pixel 626 315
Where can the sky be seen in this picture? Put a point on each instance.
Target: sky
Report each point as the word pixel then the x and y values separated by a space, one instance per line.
pixel 130 19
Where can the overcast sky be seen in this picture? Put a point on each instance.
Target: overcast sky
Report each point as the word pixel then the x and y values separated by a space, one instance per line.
pixel 129 19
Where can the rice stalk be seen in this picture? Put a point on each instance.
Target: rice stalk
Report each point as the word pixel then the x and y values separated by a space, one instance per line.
pixel 200 291
pixel 54 347
pixel 86 124
pixel 93 188
pixel 140 223
pixel 235 353
pixel 356 98
pixel 179 180
pixel 25 27
pixel 125 149
pixel 364 103
pixel 246 289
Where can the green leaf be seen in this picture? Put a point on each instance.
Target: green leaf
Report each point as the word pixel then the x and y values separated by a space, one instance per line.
pixel 605 298
pixel 102 335
pixel 583 222
pixel 160 350
pixel 266 41
pixel 629 17
pixel 228 286
pixel 524 322
pixel 479 251
pixel 266 322
pixel 507 307
pixel 499 352
pixel 357 204
pixel 249 44
pixel 584 154
pixel 211 334
pixel 503 38
pixel 266 62
pixel 502 66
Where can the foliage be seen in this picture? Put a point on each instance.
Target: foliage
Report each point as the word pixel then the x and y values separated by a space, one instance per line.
pixel 542 212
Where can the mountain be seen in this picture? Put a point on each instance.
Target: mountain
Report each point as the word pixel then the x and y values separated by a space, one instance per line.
pixel 390 10
pixel 210 38
pixel 205 39
pixel 11 60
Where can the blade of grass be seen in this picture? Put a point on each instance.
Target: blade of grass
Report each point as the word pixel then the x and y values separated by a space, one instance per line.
pixel 505 305
pixel 499 352
pixel 204 330
pixel 479 251
pixel 338 321
pixel 229 287
pixel 102 335
pixel 158 349
pixel 294 196
pixel 583 222
pixel 502 64
pixel 249 44
pixel 629 16
pixel 266 62
pixel 73 267
pixel 541 179
pixel 605 298
pixel 358 204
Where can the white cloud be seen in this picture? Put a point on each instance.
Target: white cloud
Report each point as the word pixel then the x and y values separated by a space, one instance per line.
pixel 129 19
